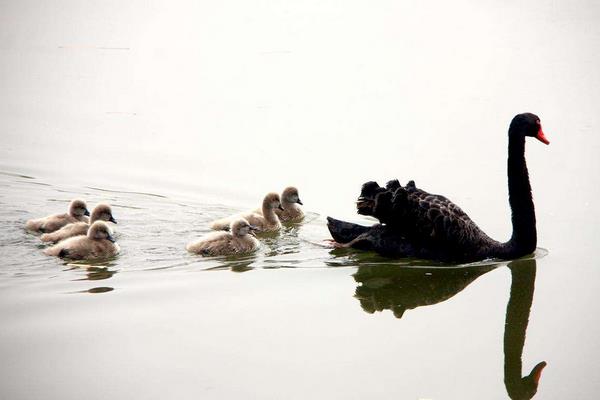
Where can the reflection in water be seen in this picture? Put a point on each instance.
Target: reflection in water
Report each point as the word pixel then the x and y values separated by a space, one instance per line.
pixel 92 273
pixel 234 263
pixel 517 319
pixel 100 289
pixel 399 289
pixel 98 273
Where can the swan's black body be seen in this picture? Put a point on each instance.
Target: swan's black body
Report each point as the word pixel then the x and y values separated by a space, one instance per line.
pixel 415 223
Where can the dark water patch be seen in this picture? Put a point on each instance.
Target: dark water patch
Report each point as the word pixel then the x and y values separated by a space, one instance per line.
pixel 95 290
pixel 127 207
pixel 127 192
pixel 34 183
pixel 16 175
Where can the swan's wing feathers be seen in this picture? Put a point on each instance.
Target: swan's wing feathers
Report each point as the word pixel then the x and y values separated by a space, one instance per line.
pixel 440 219
pixel 422 215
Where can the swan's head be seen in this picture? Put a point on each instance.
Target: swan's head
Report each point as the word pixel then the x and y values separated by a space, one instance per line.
pixel 241 227
pixel 102 212
pixel 528 124
pixel 99 231
pixel 290 195
pixel 78 208
pixel 272 201
pixel 527 386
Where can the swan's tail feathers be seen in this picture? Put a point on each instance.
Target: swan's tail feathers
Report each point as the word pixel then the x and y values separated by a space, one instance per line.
pixel 221 224
pixel 390 206
pixel 345 232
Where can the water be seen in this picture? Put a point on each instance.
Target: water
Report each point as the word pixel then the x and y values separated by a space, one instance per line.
pixel 177 114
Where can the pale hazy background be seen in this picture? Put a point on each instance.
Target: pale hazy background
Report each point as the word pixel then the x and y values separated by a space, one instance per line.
pixel 246 97
pixel 214 103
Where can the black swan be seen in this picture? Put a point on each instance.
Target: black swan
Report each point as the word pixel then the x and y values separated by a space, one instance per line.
pixel 418 224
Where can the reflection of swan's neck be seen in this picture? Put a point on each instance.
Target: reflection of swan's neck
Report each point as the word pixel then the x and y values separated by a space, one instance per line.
pixel 517 319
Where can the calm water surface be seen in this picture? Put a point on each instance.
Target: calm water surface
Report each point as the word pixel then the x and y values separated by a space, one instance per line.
pixel 180 114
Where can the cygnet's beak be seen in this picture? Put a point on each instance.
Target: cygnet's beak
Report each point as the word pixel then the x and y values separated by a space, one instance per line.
pixel 86 212
pixel 280 207
pixel 253 229
pixel 110 238
pixel 299 202
pixel 112 219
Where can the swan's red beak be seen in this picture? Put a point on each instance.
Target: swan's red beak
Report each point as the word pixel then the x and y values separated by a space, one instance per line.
pixel 541 137
pixel 537 372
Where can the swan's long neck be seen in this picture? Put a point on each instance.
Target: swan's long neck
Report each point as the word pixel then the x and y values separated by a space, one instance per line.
pixel 524 235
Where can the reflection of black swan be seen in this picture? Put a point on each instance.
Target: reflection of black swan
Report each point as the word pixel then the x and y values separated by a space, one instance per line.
pixel 517 319
pixel 401 289
pixel 415 223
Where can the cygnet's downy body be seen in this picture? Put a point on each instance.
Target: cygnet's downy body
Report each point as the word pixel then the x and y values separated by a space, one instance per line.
pixel 291 212
pixel 77 213
pixel 268 221
pixel 240 240
pixel 102 212
pixel 98 243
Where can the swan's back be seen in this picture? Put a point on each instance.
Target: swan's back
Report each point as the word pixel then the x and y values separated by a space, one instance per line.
pixel 427 220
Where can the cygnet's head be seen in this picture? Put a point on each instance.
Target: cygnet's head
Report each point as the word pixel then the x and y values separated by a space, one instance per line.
pixel 99 230
pixel 241 227
pixel 272 200
pixel 290 195
pixel 102 212
pixel 78 208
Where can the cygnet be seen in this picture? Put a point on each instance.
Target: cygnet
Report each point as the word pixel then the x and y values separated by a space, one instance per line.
pixel 98 243
pixel 102 212
pixel 268 221
pixel 240 240
pixel 77 213
pixel 292 212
